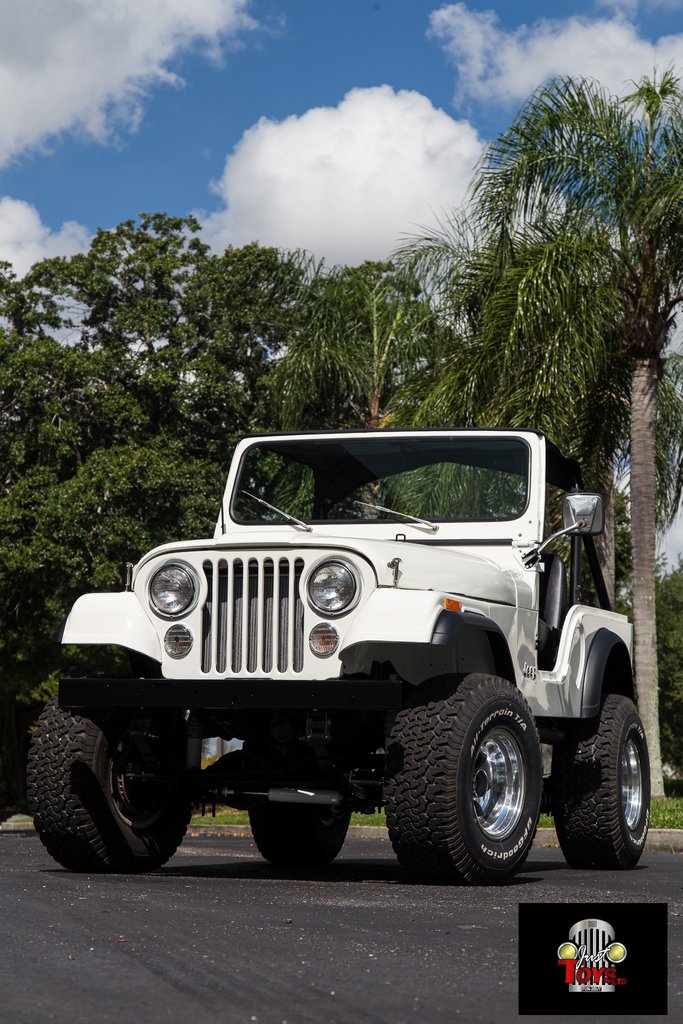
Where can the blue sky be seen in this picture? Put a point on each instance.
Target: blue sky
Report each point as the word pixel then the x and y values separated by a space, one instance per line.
pixel 338 126
pixel 114 108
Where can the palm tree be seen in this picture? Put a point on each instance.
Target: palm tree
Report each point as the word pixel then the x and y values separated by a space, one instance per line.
pixel 577 218
pixel 365 330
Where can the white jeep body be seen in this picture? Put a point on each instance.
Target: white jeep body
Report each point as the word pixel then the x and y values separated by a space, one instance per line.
pixel 378 621
pixel 479 565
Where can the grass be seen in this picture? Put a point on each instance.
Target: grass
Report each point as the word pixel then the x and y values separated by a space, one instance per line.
pixel 665 812
pixel 228 816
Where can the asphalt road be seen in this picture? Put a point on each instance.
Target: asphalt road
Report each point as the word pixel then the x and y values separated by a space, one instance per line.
pixel 220 936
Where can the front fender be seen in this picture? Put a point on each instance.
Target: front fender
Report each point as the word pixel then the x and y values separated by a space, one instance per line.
pixel 391 614
pixel 111 619
pixel 412 633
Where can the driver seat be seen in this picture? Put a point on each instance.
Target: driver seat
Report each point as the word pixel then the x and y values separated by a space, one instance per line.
pixel 552 608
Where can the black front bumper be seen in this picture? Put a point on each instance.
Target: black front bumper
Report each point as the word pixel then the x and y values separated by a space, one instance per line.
pixel 234 694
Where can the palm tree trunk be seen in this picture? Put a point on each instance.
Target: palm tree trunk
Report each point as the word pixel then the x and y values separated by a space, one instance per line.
pixel 643 540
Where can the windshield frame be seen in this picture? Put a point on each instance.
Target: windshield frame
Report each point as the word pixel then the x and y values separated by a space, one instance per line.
pixel 236 483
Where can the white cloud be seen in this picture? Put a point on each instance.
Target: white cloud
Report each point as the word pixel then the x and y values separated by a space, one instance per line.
pixel 86 65
pixel 24 238
pixel 494 64
pixel 345 182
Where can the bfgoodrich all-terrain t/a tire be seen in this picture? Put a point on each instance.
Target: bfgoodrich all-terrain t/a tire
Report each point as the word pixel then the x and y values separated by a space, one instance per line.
pixel 105 796
pixel 464 781
pixel 601 788
pixel 296 834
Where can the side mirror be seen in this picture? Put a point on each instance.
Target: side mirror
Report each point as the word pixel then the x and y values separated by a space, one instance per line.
pixel 583 513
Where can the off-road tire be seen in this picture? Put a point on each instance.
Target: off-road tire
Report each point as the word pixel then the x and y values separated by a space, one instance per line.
pixel 75 780
pixel 589 802
pixel 436 792
pixel 290 834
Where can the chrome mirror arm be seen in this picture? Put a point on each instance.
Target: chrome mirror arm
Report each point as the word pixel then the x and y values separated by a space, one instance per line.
pixel 532 557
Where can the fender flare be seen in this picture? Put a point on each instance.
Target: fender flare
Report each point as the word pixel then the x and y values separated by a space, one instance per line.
pixel 453 627
pixel 468 641
pixel 116 619
pixel 605 649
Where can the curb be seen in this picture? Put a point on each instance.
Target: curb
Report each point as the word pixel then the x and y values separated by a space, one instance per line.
pixel 668 839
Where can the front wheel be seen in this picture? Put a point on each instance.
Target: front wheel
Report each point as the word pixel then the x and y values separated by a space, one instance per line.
pixel 106 796
pixel 464 781
pixel 601 788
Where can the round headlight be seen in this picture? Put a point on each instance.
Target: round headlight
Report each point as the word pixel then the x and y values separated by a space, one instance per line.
pixel 333 587
pixel 172 589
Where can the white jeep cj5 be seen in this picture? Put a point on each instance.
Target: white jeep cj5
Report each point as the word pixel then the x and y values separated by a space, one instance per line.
pixel 380 621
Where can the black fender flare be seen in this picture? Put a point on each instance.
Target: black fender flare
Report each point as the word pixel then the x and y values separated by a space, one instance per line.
pixel 608 670
pixel 461 631
pixel 452 627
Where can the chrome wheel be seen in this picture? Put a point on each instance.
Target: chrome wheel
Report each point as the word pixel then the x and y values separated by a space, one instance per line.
pixel 631 783
pixel 498 784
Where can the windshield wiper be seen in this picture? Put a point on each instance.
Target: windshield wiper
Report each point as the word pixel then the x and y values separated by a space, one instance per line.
pixel 404 515
pixel 285 515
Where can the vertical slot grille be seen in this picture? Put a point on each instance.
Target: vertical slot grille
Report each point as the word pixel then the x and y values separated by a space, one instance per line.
pixel 222 617
pixel 253 616
pixel 298 617
pixel 237 614
pixel 207 615
pixel 252 629
pixel 267 629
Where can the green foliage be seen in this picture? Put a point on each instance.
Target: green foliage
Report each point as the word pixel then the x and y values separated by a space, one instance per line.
pixel 565 270
pixel 367 330
pixel 670 659
pixel 622 555
pixel 126 375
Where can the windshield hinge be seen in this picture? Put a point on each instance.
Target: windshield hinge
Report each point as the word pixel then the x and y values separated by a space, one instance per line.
pixel 394 565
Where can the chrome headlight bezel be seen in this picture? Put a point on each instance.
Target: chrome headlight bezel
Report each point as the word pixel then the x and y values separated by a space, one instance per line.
pixel 348 567
pixel 190 604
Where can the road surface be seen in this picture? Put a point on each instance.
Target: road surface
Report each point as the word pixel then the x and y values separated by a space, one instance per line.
pixel 218 935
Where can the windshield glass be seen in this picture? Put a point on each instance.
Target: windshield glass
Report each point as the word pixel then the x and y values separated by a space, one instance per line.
pixel 439 479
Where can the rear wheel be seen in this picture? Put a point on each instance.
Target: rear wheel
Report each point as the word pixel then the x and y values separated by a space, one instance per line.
pixel 107 796
pixel 601 788
pixel 297 834
pixel 464 781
